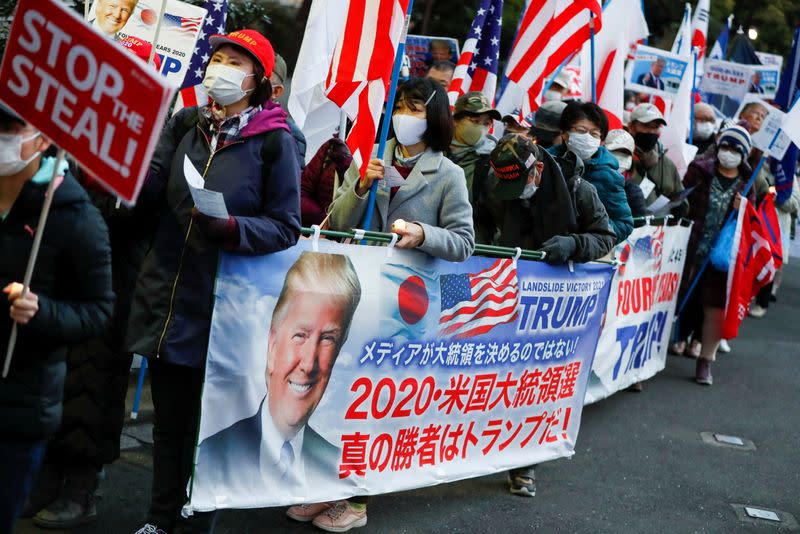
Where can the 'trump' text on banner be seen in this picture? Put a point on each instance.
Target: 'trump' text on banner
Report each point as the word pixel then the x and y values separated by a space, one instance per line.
pixel 344 371
pixel 100 103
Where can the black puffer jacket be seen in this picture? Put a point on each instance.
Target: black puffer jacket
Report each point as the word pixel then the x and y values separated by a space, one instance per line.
pixel 565 204
pixel 73 282
pixel 98 369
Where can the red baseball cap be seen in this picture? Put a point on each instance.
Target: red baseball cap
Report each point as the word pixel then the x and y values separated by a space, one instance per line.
pixel 253 42
pixel 141 49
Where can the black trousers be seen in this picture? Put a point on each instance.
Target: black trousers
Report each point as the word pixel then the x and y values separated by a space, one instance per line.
pixel 176 394
pixel 762 298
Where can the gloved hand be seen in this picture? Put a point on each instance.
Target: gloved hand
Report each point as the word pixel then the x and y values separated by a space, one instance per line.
pixel 223 231
pixel 559 249
pixel 339 154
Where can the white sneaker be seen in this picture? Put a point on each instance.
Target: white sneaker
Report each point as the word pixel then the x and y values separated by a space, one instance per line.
pixel 757 311
pixel 724 347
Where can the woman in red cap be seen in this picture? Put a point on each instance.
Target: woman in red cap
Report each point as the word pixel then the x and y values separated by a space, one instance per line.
pixel 242 146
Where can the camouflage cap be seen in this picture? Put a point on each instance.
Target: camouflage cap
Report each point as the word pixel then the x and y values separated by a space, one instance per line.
pixel 475 102
pixel 512 160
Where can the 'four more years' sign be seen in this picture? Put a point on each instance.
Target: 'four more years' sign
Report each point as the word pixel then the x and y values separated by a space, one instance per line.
pixel 345 371
pixel 181 27
pixel 92 98
pixel 640 310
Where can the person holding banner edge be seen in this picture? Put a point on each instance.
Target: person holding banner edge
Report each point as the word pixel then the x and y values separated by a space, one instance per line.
pixel 69 299
pixel 426 203
pixel 426 187
pixel 244 148
pixel 545 210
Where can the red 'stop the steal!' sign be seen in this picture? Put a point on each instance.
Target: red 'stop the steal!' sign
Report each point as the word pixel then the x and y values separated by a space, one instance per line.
pixel 100 103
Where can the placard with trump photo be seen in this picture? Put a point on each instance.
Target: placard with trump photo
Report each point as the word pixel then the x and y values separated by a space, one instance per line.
pixel 352 370
pixel 180 29
pixel 656 72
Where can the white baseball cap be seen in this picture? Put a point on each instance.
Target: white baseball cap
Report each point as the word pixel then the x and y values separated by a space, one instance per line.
pixel 620 140
pixel 645 113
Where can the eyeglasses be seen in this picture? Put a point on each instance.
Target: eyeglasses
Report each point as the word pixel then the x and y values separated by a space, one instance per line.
pixel 594 133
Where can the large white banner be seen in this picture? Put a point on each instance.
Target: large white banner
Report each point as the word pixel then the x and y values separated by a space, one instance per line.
pixel 180 29
pixel 640 310
pixel 347 371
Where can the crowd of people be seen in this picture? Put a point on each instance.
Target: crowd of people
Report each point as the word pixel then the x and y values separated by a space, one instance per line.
pixel 558 181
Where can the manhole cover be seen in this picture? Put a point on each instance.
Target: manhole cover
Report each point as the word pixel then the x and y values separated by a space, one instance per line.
pixel 761 515
pixel 728 441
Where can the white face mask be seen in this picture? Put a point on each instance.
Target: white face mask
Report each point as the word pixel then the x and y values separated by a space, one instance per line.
pixel 528 192
pixel 625 160
pixel 408 130
pixel 224 84
pixel 11 161
pixel 583 145
pixel 552 96
pixel 729 160
pixel 703 130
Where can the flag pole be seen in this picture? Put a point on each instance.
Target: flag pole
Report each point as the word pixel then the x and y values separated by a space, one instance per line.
pixel 694 91
pixel 37 243
pixel 387 116
pixel 342 125
pixel 158 32
pixel 591 48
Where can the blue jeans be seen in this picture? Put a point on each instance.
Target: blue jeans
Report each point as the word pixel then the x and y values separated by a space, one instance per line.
pixel 19 463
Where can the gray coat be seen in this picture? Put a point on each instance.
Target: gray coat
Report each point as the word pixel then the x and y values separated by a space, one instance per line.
pixel 434 196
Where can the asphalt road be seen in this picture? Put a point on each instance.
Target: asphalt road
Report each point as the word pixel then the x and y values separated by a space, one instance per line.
pixel 640 465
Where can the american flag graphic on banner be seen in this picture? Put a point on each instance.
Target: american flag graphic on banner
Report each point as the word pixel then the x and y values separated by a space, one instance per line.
pixel 473 304
pixel 192 92
pixel 477 66
pixel 182 24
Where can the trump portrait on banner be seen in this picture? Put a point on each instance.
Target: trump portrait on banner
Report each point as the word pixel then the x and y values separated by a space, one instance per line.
pixel 276 448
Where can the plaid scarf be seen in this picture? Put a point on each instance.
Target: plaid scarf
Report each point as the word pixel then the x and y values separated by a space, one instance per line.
pixel 224 130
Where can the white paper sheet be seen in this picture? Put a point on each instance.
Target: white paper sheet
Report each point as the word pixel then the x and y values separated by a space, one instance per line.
pixel 647 186
pixel 210 203
pixel 658 204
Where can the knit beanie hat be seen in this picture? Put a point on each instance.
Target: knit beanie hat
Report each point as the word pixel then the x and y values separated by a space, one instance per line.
pixel 736 137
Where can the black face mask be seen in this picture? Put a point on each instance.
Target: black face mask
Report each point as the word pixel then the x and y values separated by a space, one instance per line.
pixel 645 141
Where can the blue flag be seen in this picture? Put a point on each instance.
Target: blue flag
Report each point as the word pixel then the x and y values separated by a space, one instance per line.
pixel 783 170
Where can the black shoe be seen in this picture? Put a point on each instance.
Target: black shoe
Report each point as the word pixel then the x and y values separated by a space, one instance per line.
pixel 522 482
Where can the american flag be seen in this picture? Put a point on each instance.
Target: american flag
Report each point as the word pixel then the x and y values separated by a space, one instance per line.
pixel 644 249
pixel 180 24
pixel 477 66
pixel 192 92
pixel 549 33
pixel 360 72
pixel 473 304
